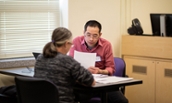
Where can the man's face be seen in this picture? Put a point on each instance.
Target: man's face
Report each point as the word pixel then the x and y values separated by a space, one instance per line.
pixel 91 36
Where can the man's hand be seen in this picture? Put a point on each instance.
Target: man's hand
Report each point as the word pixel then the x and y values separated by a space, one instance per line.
pixel 94 70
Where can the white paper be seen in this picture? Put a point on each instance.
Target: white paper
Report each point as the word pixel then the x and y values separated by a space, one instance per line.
pixel 105 79
pixel 99 76
pixel 20 71
pixel 86 59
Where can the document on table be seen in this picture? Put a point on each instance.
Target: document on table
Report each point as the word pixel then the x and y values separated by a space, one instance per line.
pixel 86 59
pixel 105 79
pixel 24 71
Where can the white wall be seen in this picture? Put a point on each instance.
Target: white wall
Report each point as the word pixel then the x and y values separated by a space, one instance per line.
pixel 64 13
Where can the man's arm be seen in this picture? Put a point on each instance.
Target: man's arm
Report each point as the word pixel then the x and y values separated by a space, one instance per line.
pixel 108 63
pixel 109 60
pixel 75 42
pixel 96 70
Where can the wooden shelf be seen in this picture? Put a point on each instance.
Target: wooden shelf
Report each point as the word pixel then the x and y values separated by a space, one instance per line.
pixel 147 46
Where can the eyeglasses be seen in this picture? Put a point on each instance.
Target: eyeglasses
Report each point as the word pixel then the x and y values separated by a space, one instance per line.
pixel 91 36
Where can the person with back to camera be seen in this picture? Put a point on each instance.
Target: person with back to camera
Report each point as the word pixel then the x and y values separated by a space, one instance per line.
pixel 55 66
pixel 92 42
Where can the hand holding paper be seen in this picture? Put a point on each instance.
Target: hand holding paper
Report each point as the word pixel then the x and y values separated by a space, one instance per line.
pixel 86 59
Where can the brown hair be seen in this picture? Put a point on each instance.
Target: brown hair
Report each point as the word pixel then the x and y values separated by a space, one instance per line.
pixel 59 36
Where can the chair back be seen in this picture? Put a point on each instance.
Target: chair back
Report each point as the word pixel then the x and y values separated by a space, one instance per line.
pixel 35 54
pixel 36 90
pixel 119 67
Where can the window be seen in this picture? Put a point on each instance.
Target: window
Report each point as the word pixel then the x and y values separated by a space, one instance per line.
pixel 26 26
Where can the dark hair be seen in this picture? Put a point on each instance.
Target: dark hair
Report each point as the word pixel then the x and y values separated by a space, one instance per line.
pixel 59 36
pixel 93 23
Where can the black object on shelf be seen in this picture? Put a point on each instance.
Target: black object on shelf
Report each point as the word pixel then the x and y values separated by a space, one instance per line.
pixel 136 28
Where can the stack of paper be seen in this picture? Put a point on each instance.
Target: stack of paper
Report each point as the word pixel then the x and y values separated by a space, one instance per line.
pixel 109 79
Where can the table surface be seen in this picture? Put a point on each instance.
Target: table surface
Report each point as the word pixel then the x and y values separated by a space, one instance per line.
pixel 22 71
pixel 29 71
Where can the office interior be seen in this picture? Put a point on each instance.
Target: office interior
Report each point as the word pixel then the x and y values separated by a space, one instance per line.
pixel 116 17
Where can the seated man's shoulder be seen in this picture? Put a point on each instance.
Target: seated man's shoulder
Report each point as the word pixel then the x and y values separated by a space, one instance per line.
pixel 105 41
pixel 78 38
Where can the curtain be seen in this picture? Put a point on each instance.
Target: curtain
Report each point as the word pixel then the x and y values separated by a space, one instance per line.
pixel 26 26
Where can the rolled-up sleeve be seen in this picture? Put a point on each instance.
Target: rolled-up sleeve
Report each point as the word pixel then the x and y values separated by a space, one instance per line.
pixel 109 60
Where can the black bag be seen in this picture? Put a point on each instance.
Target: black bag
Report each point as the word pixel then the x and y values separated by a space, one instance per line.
pixel 135 27
pixel 8 94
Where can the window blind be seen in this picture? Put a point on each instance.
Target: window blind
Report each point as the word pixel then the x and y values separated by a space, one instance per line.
pixel 26 26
